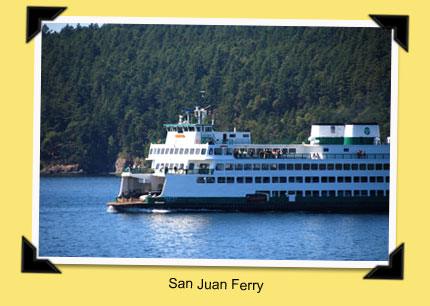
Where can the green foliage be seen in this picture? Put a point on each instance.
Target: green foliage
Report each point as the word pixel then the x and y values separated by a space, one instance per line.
pixel 107 91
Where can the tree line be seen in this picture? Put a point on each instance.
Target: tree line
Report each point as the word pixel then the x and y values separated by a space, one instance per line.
pixel 107 91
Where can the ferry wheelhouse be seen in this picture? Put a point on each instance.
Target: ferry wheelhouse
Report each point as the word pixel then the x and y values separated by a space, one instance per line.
pixel 344 168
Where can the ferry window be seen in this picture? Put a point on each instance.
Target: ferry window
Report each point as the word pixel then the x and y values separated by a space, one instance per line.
pixel 218 151
pixel 323 179
pixel 281 166
pixel 308 179
pixel 322 166
pixel 291 179
pixel 158 151
pixel 363 193
pixel 208 129
pixel 181 151
pixel 298 166
pixel 211 151
pixel 229 151
pixel 372 179
pixel 292 151
pixel 370 166
pixel 157 166
pixel 203 151
pixel 324 193
pixel 191 128
pixel 275 179
pixel 380 193
pixel 378 166
pixel 228 166
pixel 210 180
pixel 338 166
pixel 181 166
pixel 266 179
pixel 347 179
pixel 185 128
pixel 174 128
pixel 299 193
pixel 180 130
pixel 176 151
pixel 325 149
pixel 245 135
pixel 306 167
pixel 275 194
pixel 290 167
pixel 258 179
pixel 283 179
pixel 315 193
pixel 248 167
pixel 197 151
pixel 315 179
pixel 331 179
pixel 387 179
pixel 362 166
pixel 356 179
pixel 307 193
pixel 201 180
pixel 265 166
pixel 238 167
pixel 348 193
pixel 191 151
pixel 380 179
pixel 314 166
pixel 354 167
pixel 372 193
pixel 221 180
pixel 346 166
pixel 257 167
pixel 283 193
pixel 186 151
pixel 331 193
pixel 150 151
pixel 356 193
pixel 340 179
pixel 191 166
pixel 340 193
pixel 363 179
pixel 219 167
pixel 386 166
pixel 285 151
pixel 330 166
pixel 346 150
pixel 273 166
pixel 232 135
pixel 162 151
pixel 198 128
pixel 203 166
pixel 162 166
pixel 299 179
pixel 239 180
pixel 248 179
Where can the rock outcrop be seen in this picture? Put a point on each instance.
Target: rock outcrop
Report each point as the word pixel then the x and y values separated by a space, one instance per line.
pixel 60 169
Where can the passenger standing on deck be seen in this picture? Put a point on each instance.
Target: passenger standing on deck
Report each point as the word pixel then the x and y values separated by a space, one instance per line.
pixel 166 169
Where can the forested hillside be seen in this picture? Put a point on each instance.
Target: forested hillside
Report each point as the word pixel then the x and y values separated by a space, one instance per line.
pixel 106 91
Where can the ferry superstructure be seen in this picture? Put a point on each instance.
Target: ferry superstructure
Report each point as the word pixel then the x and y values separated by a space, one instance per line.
pixel 344 168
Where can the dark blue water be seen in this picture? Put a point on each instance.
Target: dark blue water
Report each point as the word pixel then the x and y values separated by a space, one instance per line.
pixel 74 222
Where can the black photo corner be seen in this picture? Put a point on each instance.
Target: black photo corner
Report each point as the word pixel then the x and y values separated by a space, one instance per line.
pixel 30 263
pixel 35 15
pixel 400 24
pixel 395 268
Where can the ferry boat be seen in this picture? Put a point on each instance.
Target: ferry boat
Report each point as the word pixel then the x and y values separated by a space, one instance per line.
pixel 343 168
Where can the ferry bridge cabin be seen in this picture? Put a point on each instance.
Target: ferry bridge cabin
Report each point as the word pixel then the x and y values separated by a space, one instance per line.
pixel 343 168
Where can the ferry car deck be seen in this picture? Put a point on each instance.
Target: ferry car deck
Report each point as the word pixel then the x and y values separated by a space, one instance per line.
pixel 344 168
